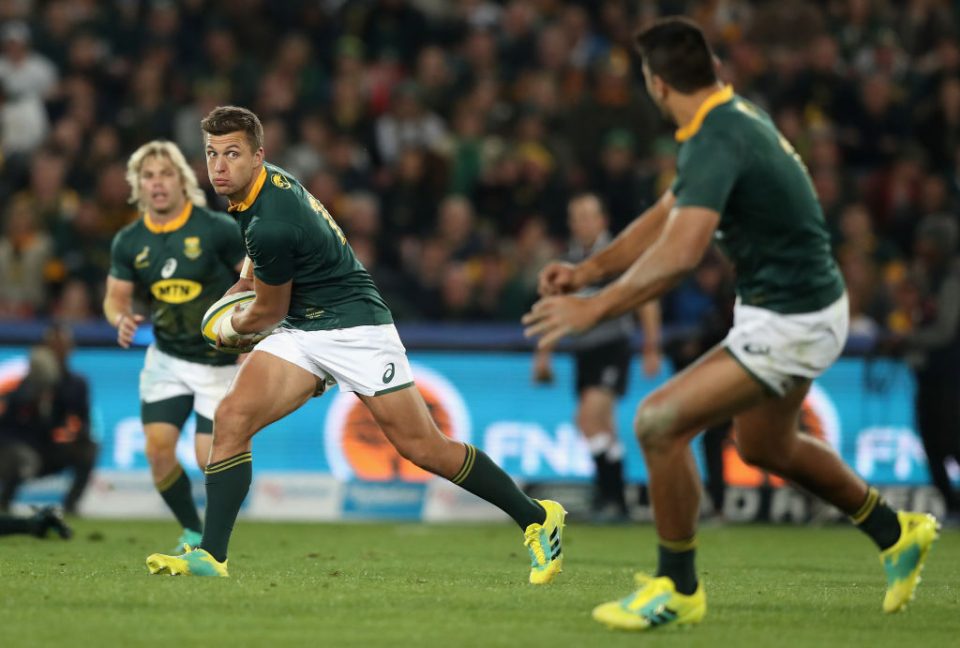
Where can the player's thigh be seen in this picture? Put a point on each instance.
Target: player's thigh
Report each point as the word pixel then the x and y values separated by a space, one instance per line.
pixel 402 415
pixel 710 391
pixel 763 431
pixel 161 439
pixel 266 388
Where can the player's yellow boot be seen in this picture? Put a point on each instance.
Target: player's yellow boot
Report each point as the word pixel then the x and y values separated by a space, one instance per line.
pixel 655 604
pixel 903 562
pixel 545 544
pixel 193 562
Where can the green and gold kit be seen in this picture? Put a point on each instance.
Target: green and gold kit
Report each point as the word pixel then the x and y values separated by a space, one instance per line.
pixel 183 266
pixel 733 160
pixel 289 235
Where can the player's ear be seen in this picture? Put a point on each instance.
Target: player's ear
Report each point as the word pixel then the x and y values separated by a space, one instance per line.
pixel 660 88
pixel 258 155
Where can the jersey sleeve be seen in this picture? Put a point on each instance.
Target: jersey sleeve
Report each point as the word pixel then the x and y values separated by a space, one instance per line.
pixel 706 173
pixel 121 261
pixel 230 246
pixel 270 245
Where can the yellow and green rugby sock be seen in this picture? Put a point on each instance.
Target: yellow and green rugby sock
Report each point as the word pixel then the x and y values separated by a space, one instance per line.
pixel 485 479
pixel 877 520
pixel 176 492
pixel 676 560
pixel 227 484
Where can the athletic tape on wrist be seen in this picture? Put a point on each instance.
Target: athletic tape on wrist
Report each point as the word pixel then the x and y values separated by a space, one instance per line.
pixel 226 331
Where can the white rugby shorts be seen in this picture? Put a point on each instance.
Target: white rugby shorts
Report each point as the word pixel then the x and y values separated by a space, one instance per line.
pixel 368 360
pixel 780 350
pixel 164 376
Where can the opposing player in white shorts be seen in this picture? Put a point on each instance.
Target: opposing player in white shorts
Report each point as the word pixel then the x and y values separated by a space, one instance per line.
pixel 181 257
pixel 738 182
pixel 336 329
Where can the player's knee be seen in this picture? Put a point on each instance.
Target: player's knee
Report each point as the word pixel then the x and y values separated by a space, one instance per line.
pixel 759 455
pixel 231 422
pixel 654 424
pixel 160 450
pixel 421 452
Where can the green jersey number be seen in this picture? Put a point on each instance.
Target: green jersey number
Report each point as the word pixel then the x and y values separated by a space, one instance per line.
pixel 321 210
pixel 784 142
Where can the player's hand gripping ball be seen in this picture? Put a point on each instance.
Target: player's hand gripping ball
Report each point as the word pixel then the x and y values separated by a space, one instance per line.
pixel 223 309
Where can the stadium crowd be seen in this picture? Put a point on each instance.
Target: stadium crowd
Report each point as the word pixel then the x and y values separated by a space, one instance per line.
pixel 446 137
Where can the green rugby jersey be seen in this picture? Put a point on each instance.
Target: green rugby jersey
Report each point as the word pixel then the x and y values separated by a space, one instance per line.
pixel 184 266
pixel 289 235
pixel 733 160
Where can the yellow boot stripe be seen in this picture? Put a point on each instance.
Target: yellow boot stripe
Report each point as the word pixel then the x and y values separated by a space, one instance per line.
pixel 170 479
pixel 226 464
pixel 873 498
pixel 467 466
pixel 678 546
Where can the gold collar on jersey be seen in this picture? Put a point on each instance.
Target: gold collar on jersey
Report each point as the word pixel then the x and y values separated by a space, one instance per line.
pixel 244 204
pixel 171 225
pixel 719 97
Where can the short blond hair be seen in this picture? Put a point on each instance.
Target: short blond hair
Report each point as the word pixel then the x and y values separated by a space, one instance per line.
pixel 169 150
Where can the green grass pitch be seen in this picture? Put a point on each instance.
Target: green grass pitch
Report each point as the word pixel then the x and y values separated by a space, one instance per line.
pixel 455 586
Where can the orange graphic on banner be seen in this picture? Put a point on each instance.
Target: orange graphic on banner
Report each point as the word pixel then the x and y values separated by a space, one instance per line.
pixel 372 457
pixel 737 472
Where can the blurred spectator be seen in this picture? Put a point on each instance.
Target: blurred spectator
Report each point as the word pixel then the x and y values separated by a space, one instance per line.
pixel 395 27
pixel 456 228
pixel 25 252
pixel 617 182
pixel 28 79
pixel 408 125
pixel 410 199
pixel 45 424
pixel 512 105
pixel 47 194
pixel 614 102
pixel 938 128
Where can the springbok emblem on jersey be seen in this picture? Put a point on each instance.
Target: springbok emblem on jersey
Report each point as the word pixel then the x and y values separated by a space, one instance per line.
pixel 191 247
pixel 141 260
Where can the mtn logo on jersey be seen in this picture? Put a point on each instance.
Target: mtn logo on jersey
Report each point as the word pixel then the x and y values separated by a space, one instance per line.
pixel 176 291
pixel 191 247
pixel 279 181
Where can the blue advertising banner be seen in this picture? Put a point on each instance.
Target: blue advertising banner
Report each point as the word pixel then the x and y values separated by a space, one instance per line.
pixel 863 408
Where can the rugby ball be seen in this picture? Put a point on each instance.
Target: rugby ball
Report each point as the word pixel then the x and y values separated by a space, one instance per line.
pixel 226 306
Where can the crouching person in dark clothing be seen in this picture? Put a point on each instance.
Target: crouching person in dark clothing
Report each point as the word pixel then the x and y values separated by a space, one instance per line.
pixel 45 424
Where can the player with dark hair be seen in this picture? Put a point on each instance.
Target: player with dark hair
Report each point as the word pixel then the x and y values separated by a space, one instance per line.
pixel 336 330
pixel 740 182
pixel 181 256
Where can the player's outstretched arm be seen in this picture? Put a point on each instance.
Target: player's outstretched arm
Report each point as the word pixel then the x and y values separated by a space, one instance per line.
pixel 559 278
pixel 682 243
pixel 685 239
pixel 118 309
